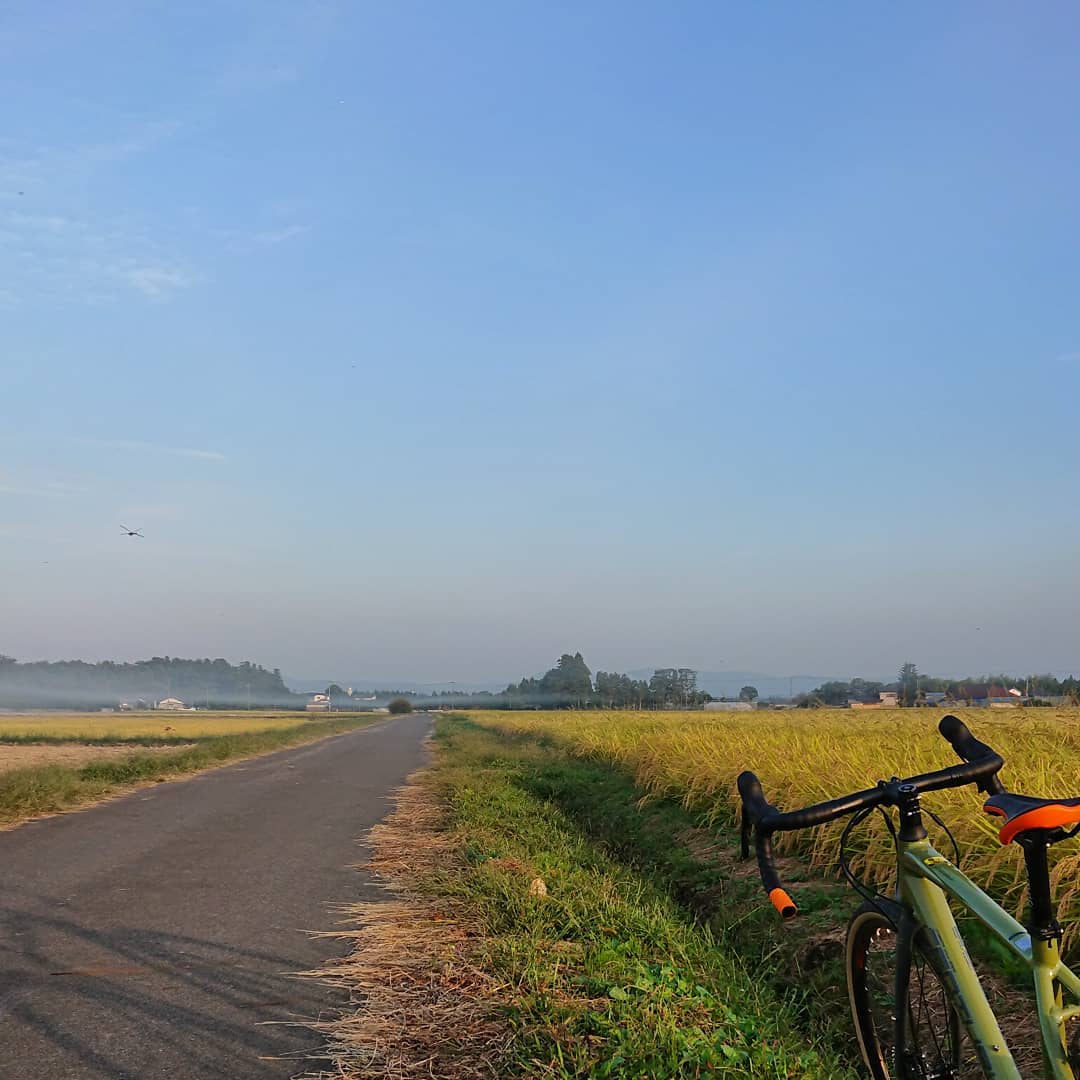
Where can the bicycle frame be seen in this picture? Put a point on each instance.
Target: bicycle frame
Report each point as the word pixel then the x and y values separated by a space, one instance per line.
pixel 925 879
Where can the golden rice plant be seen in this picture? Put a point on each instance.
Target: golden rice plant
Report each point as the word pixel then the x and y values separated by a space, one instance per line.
pixel 89 727
pixel 806 756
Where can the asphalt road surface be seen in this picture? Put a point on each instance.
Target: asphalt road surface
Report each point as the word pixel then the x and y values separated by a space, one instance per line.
pixel 153 936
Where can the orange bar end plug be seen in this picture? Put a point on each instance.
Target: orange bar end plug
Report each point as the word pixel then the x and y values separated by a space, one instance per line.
pixel 783 904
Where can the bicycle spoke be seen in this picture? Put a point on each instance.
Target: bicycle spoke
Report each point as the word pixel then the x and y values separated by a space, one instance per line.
pixel 934 1021
pixel 928 1050
pixel 930 1022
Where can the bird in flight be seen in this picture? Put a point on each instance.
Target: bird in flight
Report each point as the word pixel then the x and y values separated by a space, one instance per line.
pixel 131 532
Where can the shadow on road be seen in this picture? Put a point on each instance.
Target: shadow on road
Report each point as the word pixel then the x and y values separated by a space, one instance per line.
pixel 127 1000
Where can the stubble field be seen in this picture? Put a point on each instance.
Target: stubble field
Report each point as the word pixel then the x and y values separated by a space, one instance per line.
pixel 141 727
pixel 57 761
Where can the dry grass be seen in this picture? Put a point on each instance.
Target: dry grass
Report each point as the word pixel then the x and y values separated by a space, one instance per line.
pixel 95 727
pixel 72 755
pixel 424 1006
pixel 810 755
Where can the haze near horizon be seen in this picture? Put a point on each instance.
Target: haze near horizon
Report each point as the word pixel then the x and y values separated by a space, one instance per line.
pixel 437 341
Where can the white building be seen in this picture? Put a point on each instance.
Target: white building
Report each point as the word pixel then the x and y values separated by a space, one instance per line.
pixel 728 706
pixel 318 703
pixel 171 704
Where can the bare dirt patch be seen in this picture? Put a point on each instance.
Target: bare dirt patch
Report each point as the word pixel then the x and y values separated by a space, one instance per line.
pixel 71 755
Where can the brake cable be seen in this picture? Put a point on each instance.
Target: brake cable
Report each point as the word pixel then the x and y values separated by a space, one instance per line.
pixel 867 892
pixel 858 818
pixel 948 833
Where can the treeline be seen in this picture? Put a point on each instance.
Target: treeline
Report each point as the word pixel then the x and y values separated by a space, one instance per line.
pixel 76 684
pixel 912 688
pixel 569 684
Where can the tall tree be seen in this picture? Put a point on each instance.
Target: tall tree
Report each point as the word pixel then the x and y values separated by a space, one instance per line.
pixel 908 684
pixel 674 686
pixel 570 680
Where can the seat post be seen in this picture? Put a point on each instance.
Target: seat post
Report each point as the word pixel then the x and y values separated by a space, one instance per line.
pixel 1042 923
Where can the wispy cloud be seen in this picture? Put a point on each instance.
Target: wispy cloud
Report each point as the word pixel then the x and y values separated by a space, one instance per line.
pixel 285 43
pixel 153 448
pixel 253 239
pixel 52 248
pixel 254 75
pixel 160 511
pixel 157 281
pixel 32 492
pixel 49 222
pixel 27 171
pixel 50 490
pixel 61 257
pixel 279 236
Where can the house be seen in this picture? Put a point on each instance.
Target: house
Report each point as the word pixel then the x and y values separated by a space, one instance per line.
pixel 973 693
pixel 318 703
pixel 171 704
pixel 1002 698
pixel 728 706
pixel 934 697
pixel 888 699
pixel 982 694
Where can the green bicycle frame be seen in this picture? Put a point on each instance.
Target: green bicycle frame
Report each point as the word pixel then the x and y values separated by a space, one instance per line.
pixel 925 879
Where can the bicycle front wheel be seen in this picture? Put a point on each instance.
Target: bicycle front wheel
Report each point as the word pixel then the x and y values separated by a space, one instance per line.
pixel 931 1045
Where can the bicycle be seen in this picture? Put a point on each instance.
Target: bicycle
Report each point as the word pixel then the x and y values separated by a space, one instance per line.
pixel 913 990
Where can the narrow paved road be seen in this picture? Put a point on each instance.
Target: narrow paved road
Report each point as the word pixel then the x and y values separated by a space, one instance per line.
pixel 152 936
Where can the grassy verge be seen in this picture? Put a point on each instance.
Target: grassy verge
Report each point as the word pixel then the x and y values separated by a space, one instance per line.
pixel 47 789
pixel 611 970
pixel 700 867
pixel 692 857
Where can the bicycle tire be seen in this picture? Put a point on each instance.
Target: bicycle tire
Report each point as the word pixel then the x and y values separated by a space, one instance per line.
pixel 932 1048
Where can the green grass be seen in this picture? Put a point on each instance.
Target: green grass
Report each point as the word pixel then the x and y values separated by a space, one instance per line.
pixel 619 970
pixel 50 788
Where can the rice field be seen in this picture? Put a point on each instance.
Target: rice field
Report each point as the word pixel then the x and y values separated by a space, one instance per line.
pixel 807 756
pixel 141 727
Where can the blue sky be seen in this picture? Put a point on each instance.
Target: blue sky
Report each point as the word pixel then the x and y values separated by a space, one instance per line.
pixel 430 340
